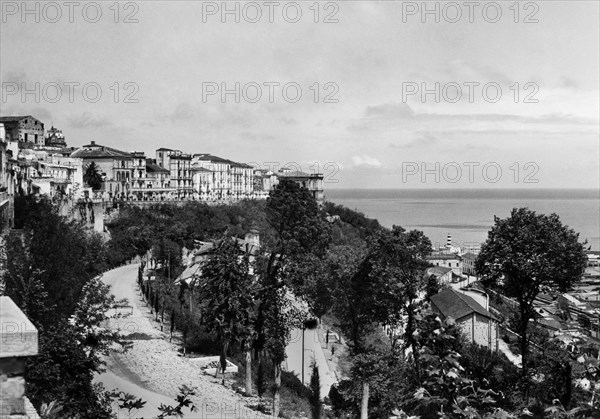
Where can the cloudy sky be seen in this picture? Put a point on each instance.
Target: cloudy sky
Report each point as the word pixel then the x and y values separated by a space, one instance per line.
pixel 162 65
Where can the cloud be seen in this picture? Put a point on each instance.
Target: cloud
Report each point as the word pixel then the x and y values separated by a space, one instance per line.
pixel 568 83
pixel 183 112
pixel 87 120
pixel 366 161
pixel 390 111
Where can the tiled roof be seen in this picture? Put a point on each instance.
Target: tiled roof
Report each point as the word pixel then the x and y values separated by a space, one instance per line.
pixel 14 118
pixel 443 256
pixel 200 169
pixel 98 151
pixel 152 167
pixel 438 270
pixel 454 304
pixel 217 159
pixel 469 255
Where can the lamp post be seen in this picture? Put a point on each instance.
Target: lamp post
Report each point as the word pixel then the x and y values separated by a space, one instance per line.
pixel 310 324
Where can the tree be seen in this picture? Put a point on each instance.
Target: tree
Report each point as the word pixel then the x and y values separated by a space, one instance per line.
pixel 297 232
pixel 381 289
pixel 315 392
pixel 527 254
pixel 92 176
pixel 228 292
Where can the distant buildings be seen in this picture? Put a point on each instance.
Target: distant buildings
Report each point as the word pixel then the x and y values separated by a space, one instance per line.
pixel 7 182
pixel 42 163
pixel 448 260
pixel 312 182
pixel 55 139
pixel 24 129
pixel 179 166
pixel 468 263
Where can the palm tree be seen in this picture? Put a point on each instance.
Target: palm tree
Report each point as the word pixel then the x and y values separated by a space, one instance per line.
pixel 92 176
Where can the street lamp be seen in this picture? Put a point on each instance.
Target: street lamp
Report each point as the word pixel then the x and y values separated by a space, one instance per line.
pixel 310 324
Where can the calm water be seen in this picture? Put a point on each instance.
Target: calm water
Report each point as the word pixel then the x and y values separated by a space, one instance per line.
pixel 469 214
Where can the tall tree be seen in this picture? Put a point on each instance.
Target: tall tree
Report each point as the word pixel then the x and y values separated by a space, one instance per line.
pixel 526 254
pixel 92 176
pixel 228 292
pixel 316 405
pixel 297 231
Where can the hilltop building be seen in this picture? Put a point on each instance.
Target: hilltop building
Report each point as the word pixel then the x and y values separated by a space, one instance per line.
pixel 24 129
pixel 55 139
pixel 180 168
pixel 312 182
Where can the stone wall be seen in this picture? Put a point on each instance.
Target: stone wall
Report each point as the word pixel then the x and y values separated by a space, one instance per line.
pixel 18 340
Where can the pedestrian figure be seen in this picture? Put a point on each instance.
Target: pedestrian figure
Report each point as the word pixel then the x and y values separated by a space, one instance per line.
pixel 332 350
pixel 327 338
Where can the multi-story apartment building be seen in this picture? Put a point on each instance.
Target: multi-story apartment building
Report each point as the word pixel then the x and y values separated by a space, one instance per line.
pixel 113 164
pixel 242 180
pixel 180 167
pixel 203 181
pixel 221 175
pixel 24 129
pixel 312 182
pixel 158 182
pixel 230 180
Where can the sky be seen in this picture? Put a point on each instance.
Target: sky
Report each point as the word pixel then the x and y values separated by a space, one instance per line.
pixel 511 89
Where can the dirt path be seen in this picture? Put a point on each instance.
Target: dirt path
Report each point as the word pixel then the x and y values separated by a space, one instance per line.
pixel 154 370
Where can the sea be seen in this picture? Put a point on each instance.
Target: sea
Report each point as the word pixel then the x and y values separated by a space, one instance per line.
pixel 468 214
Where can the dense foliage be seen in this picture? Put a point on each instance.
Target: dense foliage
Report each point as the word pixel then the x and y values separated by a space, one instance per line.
pixel 527 254
pixel 367 280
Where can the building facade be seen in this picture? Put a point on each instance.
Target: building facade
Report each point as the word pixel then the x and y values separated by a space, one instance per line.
pixel 448 260
pixel 55 139
pixel 24 129
pixel 476 322
pixel 179 166
pixel 312 182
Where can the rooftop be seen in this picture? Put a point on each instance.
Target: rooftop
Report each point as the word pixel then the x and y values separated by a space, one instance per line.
pixel 438 270
pixel 442 256
pixel 456 305
pixel 94 150
pixel 13 118
pixel 153 167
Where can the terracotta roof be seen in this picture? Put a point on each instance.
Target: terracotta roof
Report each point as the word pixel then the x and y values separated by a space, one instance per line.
pixel 164 149
pixel 458 305
pixel 99 151
pixel 469 255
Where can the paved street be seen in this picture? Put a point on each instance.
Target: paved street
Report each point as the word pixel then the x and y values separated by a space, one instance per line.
pixel 117 375
pixel 312 350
